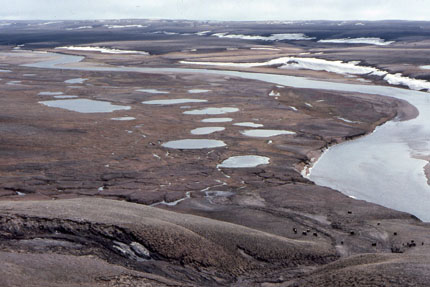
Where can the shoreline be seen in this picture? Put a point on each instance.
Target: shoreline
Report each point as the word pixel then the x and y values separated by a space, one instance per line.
pixel 406 114
pixel 427 172
pixel 316 155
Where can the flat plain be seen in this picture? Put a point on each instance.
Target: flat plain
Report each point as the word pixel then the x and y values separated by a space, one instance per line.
pixel 115 176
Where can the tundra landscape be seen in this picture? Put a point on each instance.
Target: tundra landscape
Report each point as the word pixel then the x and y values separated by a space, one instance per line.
pixel 210 153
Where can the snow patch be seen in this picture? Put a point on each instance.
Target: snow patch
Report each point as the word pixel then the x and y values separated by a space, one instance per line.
pixel 102 50
pixel 124 26
pixel 274 94
pixel 202 33
pixel 272 37
pixel 371 41
pixel 79 28
pixel 348 121
pixel 338 67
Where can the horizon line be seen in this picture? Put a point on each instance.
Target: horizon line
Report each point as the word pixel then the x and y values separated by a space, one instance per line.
pixel 209 20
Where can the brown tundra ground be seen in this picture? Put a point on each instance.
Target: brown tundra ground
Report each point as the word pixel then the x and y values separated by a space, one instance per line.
pixel 86 200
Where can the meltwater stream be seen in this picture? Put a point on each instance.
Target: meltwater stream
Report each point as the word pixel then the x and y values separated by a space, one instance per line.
pixel 383 167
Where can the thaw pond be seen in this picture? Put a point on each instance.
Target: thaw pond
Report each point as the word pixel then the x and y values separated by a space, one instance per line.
pixel 75 81
pixel 152 91
pixel 14 83
pixel 194 144
pixel 65 97
pixel 218 193
pixel 84 106
pixel 216 120
pixel 173 101
pixel 212 194
pixel 244 161
pixel 212 111
pixel 206 130
pixel 249 125
pixel 50 93
pixel 266 133
pixel 123 119
pixel 198 91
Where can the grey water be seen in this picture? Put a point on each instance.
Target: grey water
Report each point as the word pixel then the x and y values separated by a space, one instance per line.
pixel 50 93
pixel 206 130
pixel 124 119
pixel 152 91
pixel 75 81
pixel 173 101
pixel 194 144
pixel 216 120
pixel 249 125
pixel 266 133
pixel 84 106
pixel 65 97
pixel 244 161
pixel 212 111
pixel 198 91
